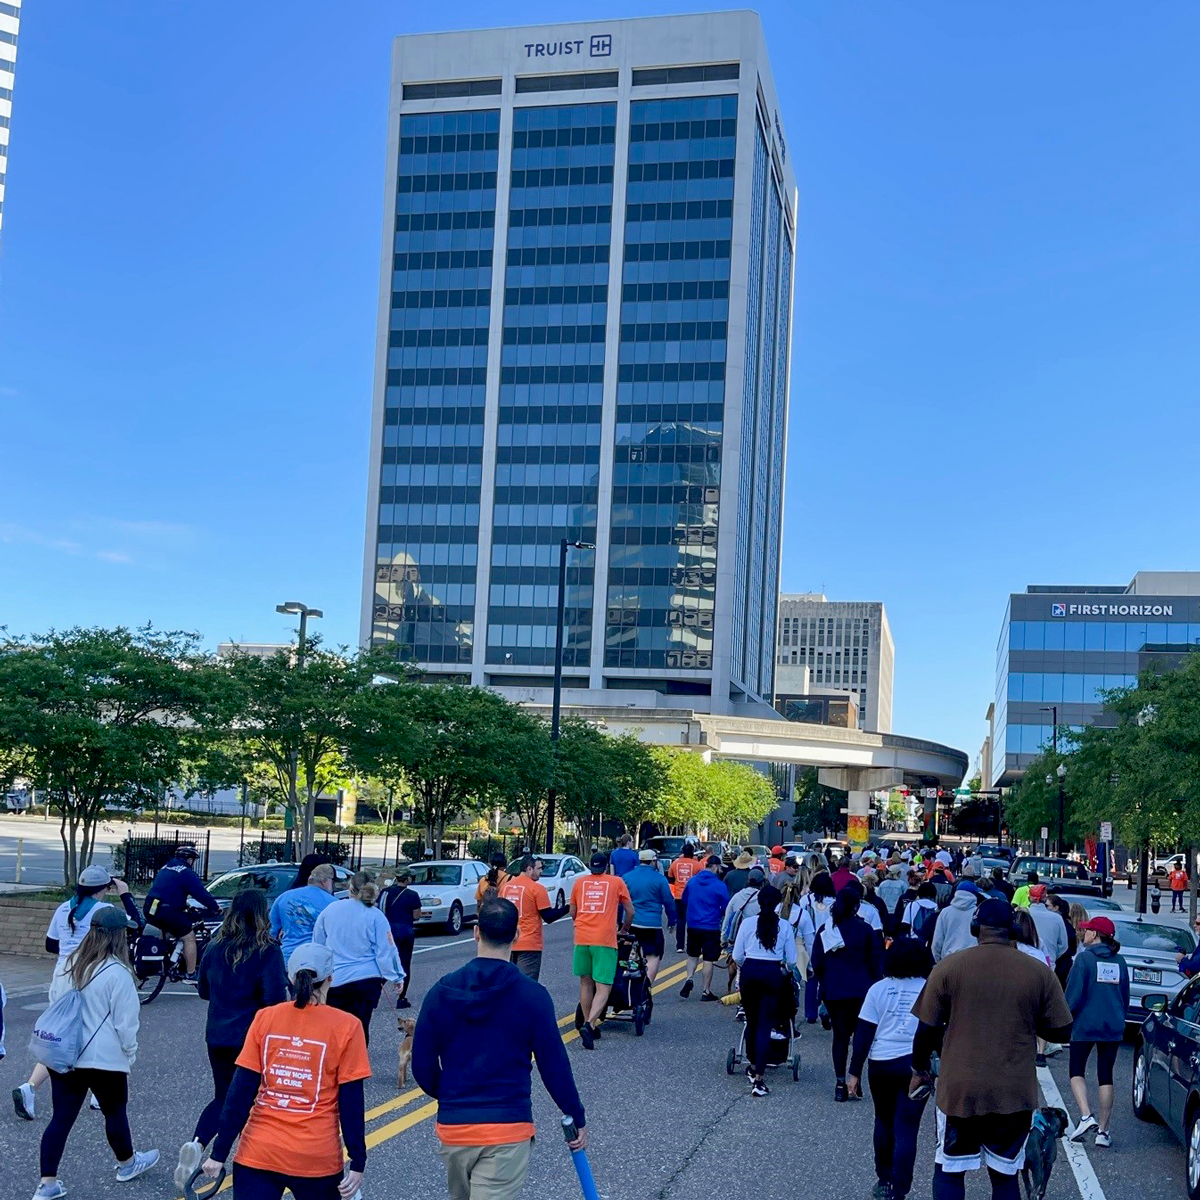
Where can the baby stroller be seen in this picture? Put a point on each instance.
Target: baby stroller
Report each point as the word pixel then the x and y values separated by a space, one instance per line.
pixel 784 1050
pixel 629 999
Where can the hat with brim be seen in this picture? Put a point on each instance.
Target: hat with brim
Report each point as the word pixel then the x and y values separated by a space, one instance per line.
pixel 310 957
pixel 94 876
pixel 1101 925
pixel 777 851
pixel 743 861
pixel 110 917
pixel 995 914
pixel 647 856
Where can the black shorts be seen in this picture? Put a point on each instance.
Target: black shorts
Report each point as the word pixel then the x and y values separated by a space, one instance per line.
pixel 994 1140
pixel 172 921
pixel 704 943
pixel 1106 1058
pixel 652 942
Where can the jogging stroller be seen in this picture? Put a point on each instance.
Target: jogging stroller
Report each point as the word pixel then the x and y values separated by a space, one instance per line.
pixel 629 999
pixel 784 1049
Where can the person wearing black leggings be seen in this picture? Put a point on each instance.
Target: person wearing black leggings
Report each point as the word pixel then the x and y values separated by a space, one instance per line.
pixel 241 972
pixel 884 1037
pixel 765 952
pixel 847 960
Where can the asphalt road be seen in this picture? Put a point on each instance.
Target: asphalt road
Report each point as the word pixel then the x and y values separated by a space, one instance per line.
pixel 665 1120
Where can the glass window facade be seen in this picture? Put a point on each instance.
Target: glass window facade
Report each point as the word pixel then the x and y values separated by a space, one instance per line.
pixel 671 384
pixel 432 455
pixel 551 381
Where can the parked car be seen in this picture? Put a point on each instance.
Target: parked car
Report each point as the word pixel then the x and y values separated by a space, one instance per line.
pixel 273 878
pixel 669 848
pixel 1060 875
pixel 1166 1072
pixel 1148 946
pixel 447 890
pixel 990 864
pixel 559 872
pixel 760 854
pixel 992 850
pixel 832 846
pixel 1093 904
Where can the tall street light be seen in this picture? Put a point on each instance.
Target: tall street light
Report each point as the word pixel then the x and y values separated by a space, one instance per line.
pixel 556 708
pixel 1061 772
pixel 295 608
pixel 1053 710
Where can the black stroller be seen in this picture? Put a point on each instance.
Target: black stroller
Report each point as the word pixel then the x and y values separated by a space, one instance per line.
pixel 785 1039
pixel 629 999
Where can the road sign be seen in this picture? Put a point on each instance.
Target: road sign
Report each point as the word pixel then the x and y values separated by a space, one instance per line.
pixel 1106 831
pixel 1045 833
pixel 930 793
pixel 962 791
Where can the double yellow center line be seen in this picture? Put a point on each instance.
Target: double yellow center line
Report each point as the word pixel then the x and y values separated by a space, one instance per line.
pixel 666 979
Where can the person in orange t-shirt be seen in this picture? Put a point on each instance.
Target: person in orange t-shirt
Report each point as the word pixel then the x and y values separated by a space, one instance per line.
pixel 533 910
pixel 598 901
pixel 678 874
pixel 299 1076
pixel 1178 879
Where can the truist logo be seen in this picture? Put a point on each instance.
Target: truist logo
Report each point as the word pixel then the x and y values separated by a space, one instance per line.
pixel 599 45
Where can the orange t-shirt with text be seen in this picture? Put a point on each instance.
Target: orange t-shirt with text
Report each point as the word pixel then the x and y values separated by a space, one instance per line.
pixel 680 871
pixel 530 898
pixel 1178 880
pixel 303 1055
pixel 596 899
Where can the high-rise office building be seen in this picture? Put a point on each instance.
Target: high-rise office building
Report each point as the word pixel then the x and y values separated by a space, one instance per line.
pixel 841 646
pixel 10 26
pixel 1062 647
pixel 584 333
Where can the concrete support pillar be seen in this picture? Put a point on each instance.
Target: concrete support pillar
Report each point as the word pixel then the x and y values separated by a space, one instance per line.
pixel 858 819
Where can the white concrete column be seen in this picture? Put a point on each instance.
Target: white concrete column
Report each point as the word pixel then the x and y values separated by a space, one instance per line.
pixel 858 819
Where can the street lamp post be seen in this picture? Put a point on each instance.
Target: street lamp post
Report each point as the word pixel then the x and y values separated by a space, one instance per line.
pixel 1053 710
pixel 1061 773
pixel 556 707
pixel 295 608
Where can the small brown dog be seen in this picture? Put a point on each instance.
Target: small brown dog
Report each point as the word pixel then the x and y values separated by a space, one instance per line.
pixel 407 1026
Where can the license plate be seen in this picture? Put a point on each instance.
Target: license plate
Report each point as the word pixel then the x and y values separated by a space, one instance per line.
pixel 1142 975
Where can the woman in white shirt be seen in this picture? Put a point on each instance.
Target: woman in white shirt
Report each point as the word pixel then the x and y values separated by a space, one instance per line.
pixel 765 952
pixel 884 1037
pixel 99 970
pixel 815 910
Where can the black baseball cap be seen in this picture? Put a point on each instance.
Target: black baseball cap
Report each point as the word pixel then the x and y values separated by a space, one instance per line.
pixel 995 914
pixel 599 863
pixel 713 860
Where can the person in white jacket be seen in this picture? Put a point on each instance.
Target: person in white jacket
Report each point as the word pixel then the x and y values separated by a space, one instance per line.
pixel 99 970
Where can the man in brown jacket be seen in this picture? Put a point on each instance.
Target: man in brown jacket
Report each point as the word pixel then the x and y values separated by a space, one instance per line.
pixel 985 1007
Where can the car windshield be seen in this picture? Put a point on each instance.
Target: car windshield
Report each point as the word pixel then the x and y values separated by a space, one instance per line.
pixel 1163 938
pixel 667 845
pixel 438 875
pixel 271 882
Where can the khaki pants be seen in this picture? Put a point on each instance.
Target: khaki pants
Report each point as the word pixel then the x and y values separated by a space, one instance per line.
pixel 486 1172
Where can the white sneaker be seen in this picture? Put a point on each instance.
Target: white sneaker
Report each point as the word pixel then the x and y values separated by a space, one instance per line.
pixel 143 1160
pixel 25 1102
pixel 93 1103
pixel 191 1155
pixel 1085 1126
pixel 1053 1048
pixel 50 1191
pixel 1104 1139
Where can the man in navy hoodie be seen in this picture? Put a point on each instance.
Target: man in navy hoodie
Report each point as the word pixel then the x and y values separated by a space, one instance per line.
pixel 479 1030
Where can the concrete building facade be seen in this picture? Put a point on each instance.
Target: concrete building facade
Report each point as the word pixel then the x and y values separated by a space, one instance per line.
pixel 10 26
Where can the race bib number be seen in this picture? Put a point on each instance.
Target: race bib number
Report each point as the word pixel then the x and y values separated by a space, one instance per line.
pixel 1108 973
pixel 291 1076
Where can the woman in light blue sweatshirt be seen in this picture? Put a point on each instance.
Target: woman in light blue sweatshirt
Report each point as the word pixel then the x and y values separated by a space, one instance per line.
pixel 364 951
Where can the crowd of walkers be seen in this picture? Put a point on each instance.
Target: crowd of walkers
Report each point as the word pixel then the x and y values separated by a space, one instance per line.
pixel 919 967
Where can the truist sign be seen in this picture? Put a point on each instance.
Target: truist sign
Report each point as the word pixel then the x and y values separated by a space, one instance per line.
pixel 599 45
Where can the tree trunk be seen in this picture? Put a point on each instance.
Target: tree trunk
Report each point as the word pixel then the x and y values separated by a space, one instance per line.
pixel 62 833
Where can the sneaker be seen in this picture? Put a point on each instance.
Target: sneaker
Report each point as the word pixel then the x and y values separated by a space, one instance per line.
pixel 776 1036
pixel 25 1102
pixel 596 1032
pixel 50 1191
pixel 750 1073
pixel 587 1035
pixel 880 1190
pixel 93 1103
pixel 1104 1139
pixel 840 1092
pixel 1085 1126
pixel 191 1155
pixel 709 997
pixel 686 990
pixel 404 1002
pixel 143 1160
pixel 1040 1061
pixel 1053 1048
pixel 760 1088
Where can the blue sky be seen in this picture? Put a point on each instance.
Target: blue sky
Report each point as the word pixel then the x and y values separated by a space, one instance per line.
pixel 996 346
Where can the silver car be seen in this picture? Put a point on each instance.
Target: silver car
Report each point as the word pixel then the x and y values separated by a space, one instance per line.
pixel 447 890
pixel 1148 948
pixel 559 872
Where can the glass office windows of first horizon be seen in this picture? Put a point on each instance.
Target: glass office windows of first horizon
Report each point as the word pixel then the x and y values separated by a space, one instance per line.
pixel 1126 637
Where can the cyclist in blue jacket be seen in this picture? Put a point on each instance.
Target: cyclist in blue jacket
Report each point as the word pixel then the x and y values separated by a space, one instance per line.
pixel 167 901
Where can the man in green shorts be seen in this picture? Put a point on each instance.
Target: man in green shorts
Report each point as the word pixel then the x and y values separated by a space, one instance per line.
pixel 597 901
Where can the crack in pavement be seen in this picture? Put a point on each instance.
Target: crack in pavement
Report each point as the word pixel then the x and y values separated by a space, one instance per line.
pixel 664 1192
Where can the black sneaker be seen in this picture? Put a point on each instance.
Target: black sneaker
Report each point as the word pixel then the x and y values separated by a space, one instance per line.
pixel 1040 1060
pixel 709 997
pixel 760 1088
pixel 587 1036
pixel 404 1002
pixel 879 1191
pixel 840 1092
pixel 686 990
pixel 596 1032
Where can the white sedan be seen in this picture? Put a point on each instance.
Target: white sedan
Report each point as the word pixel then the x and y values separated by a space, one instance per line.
pixel 447 891
pixel 559 872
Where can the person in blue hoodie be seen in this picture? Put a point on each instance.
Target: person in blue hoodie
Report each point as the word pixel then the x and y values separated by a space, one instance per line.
pixel 1097 995
pixel 704 900
pixel 480 1030
pixel 651 896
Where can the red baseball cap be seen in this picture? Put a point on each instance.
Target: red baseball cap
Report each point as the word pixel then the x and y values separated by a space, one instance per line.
pixel 776 849
pixel 1100 925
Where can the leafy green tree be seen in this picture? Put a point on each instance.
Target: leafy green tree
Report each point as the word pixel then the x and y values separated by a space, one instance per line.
pixel 737 798
pixel 817 806
pixel 104 716
pixel 639 777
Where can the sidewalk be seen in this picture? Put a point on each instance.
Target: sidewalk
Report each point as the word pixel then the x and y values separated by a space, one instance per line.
pixel 24 976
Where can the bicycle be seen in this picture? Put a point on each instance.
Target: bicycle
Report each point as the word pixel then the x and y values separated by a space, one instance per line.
pixel 156 966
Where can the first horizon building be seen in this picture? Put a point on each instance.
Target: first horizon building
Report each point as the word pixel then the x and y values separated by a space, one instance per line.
pixel 584 333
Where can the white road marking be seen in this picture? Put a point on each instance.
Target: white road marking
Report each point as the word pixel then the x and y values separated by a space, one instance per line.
pixel 1085 1174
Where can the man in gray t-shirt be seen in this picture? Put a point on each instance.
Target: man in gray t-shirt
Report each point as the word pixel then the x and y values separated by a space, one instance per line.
pixel 1052 933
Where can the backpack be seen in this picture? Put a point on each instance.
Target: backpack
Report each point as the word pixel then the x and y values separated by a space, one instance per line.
pixel 923 924
pixel 57 1032
pixel 944 889
pixel 148 952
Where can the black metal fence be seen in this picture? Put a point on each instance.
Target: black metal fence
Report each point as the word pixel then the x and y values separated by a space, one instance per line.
pixel 140 857
pixel 344 849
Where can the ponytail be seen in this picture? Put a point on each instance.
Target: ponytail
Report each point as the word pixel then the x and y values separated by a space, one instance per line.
pixel 305 984
pixel 767 929
pixel 364 888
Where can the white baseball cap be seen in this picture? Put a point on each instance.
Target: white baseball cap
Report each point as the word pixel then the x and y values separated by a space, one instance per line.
pixel 311 957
